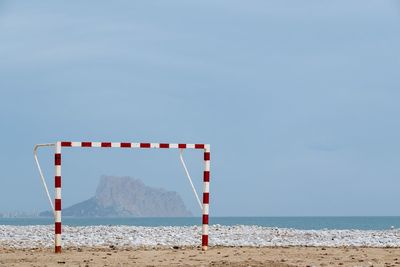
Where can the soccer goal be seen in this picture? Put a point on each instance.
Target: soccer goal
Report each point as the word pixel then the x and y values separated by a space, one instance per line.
pixel 56 207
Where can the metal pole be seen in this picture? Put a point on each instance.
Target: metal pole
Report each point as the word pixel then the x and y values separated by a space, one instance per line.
pixel 206 197
pixel 41 172
pixel 190 179
pixel 57 201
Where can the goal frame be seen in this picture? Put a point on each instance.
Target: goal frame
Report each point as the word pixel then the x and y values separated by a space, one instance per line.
pixel 67 144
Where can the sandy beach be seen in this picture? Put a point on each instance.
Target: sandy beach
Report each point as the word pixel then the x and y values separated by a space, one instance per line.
pixel 179 246
pixel 215 256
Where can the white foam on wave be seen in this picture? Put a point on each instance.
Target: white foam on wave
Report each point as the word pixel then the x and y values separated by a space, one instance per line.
pixel 240 235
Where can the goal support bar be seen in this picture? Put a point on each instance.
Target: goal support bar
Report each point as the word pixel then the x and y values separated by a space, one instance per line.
pixel 57 178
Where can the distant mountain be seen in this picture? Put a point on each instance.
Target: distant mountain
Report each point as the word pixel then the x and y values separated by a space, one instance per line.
pixel 125 196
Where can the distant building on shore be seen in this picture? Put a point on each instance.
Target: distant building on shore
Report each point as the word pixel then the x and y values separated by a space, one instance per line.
pixel 19 214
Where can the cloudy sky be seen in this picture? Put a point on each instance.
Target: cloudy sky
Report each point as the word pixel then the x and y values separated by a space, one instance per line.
pixel 300 100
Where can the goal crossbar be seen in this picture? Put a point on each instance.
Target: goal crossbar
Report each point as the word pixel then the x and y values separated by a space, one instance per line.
pixel 57 178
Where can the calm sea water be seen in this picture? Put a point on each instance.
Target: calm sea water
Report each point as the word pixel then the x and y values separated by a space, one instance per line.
pixel 364 223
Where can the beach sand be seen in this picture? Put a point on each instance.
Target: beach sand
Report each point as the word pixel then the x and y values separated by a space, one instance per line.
pixel 215 256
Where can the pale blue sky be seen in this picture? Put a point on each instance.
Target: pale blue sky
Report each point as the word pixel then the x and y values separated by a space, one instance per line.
pixel 299 100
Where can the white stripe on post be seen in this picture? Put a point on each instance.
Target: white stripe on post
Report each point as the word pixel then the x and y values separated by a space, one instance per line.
pixel 115 144
pixel 58 170
pixel 206 187
pixel 96 144
pixel 207 165
pixel 135 145
pixel 76 144
pixel 58 238
pixel 205 229
pixel 57 216
pixel 205 208
pixel 154 145
pixel 58 193
pixel 173 145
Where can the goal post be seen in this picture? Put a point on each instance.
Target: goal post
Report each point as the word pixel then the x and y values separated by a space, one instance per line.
pixel 57 178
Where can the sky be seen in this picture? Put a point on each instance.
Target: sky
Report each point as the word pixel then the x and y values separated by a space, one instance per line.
pixel 298 99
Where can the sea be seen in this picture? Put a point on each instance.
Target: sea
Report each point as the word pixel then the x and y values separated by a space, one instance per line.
pixel 303 223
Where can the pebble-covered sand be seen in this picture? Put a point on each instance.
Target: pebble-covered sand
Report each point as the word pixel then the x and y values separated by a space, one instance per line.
pixel 138 236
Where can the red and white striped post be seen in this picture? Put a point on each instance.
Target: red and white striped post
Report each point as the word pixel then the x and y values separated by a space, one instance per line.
pixel 206 197
pixel 57 179
pixel 57 200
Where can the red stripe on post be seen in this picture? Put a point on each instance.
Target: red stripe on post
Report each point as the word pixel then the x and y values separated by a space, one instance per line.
pixel 57 159
pixel 206 198
pixel 58 228
pixel 86 144
pixel 126 145
pixel 206 155
pixel 66 143
pixel 164 145
pixel 57 204
pixel 205 218
pixel 105 144
pixel 181 145
pixel 206 176
pixel 199 146
pixel 57 181
pixel 145 145
pixel 58 249
pixel 204 240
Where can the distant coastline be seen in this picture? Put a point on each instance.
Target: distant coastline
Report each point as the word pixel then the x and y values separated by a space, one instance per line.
pixel 19 214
